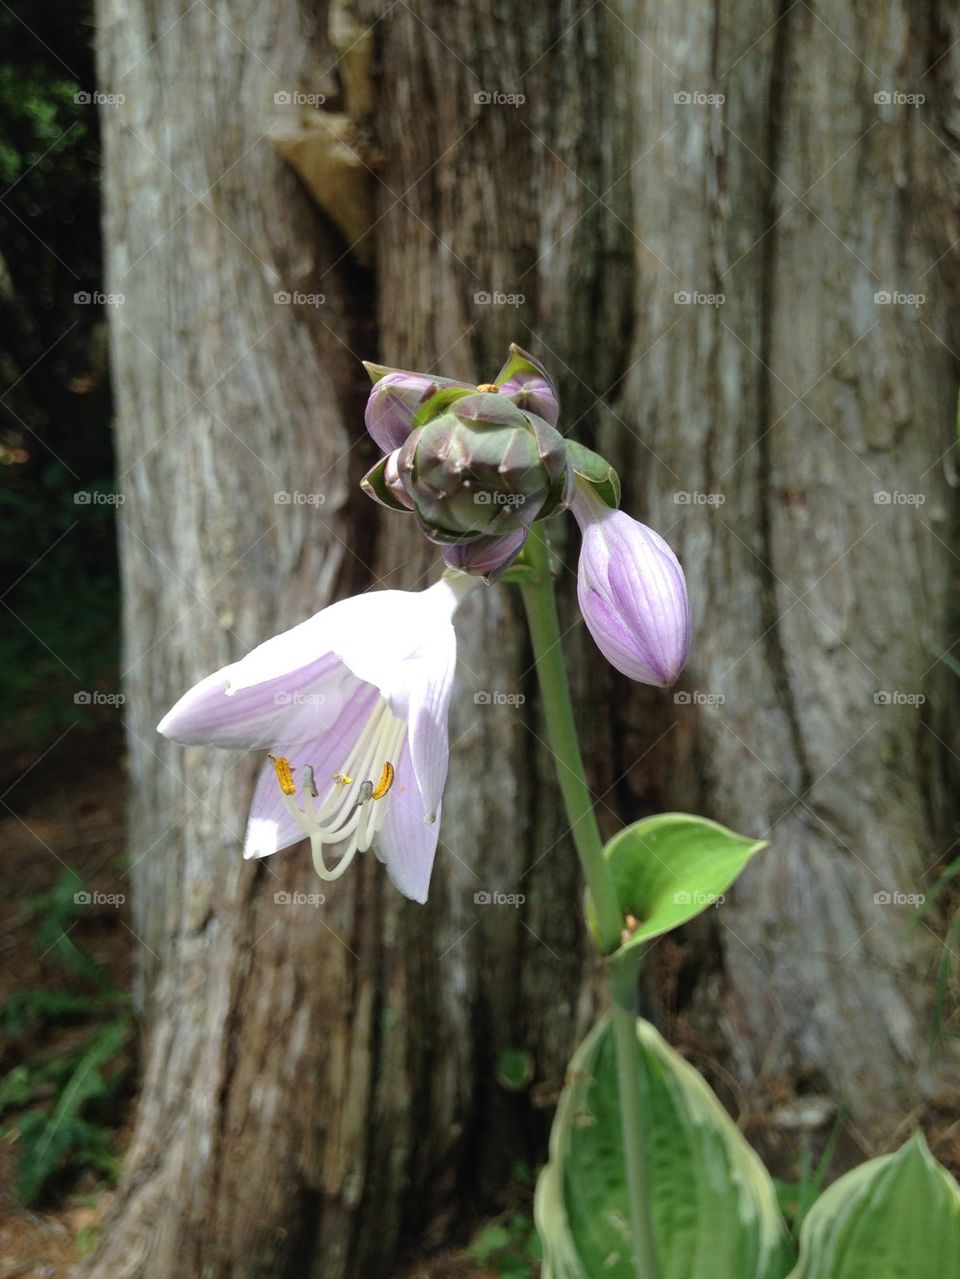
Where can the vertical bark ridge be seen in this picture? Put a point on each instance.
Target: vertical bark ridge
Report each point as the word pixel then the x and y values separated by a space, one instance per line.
pixel 770 615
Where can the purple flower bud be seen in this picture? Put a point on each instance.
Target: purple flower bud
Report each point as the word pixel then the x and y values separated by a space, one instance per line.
pixel 526 382
pixel 487 557
pixel 382 482
pixel 395 397
pixel 632 593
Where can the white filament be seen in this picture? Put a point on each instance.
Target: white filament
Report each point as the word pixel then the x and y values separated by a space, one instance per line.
pixel 348 812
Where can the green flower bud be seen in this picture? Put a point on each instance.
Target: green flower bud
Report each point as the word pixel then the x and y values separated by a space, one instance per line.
pixel 476 465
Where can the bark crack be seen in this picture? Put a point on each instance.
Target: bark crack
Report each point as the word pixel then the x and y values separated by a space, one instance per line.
pixel 771 620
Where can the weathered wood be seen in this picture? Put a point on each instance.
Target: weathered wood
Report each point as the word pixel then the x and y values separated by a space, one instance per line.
pixel 319 1087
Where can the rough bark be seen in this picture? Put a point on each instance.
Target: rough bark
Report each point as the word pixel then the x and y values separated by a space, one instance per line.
pixel 319 1088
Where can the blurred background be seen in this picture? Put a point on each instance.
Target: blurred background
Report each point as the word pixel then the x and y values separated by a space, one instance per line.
pixel 731 233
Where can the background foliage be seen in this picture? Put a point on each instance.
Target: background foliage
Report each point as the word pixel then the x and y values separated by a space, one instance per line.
pixel 58 564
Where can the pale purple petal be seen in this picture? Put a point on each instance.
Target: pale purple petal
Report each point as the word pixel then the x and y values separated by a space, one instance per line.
pixel 534 394
pixel 407 845
pixel 293 704
pixel 633 596
pixel 486 557
pixel 419 691
pixel 394 400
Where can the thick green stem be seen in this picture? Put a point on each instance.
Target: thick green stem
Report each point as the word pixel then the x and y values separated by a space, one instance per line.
pixel 541 607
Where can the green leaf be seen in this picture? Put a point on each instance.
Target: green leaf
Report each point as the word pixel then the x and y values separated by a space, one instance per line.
pixel 374 484
pixel 897 1216
pixel 47 1139
pixel 439 404
pixel 714 1206
pixel 520 361
pixel 666 870
pixel 595 471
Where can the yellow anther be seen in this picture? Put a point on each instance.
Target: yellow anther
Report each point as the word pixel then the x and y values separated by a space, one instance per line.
pixel 385 782
pixel 341 779
pixel 284 772
pixel 490 387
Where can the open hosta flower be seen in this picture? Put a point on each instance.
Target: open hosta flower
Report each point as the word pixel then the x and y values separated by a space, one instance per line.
pixel 632 593
pixel 352 705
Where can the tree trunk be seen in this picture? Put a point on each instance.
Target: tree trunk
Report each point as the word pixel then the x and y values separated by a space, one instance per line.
pixel 319 1091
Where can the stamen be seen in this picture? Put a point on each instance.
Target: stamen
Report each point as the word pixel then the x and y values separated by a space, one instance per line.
pixel 284 772
pixel 488 386
pixel 385 782
pixel 345 818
